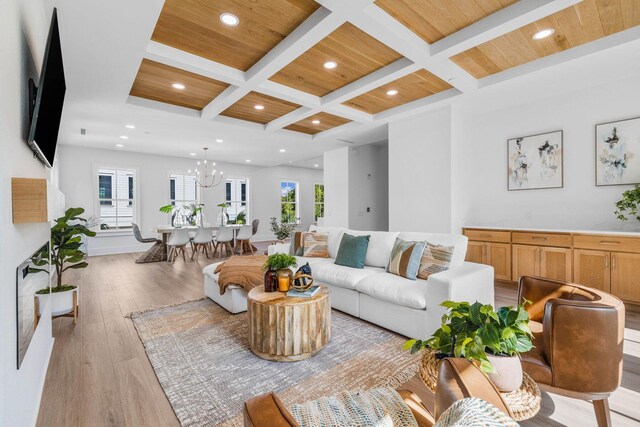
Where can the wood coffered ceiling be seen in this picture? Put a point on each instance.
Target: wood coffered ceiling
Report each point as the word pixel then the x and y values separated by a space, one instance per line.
pixel 435 19
pixel 154 82
pixel 273 108
pixel 356 53
pixel 411 87
pixel 584 22
pixel 327 121
pixel 194 26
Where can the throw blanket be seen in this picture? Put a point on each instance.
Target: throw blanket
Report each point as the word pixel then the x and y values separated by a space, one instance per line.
pixel 243 271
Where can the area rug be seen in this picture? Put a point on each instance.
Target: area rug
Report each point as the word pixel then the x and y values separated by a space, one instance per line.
pixel 202 359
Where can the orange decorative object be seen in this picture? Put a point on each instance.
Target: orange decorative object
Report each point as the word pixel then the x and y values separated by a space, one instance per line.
pixel 283 283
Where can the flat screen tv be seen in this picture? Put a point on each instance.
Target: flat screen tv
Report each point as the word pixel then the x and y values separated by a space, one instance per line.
pixel 47 99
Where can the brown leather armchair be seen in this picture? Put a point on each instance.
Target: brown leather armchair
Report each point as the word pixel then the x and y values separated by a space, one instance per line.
pixel 579 332
pixel 457 380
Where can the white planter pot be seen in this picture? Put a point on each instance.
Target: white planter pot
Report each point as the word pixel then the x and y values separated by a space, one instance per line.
pixel 509 375
pixel 61 302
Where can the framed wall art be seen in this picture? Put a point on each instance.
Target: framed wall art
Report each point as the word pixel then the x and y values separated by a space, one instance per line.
pixel 618 152
pixel 535 162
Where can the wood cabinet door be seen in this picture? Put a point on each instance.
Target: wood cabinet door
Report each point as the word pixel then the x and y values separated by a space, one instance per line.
pixel 525 261
pixel 499 257
pixel 556 263
pixel 625 276
pixel 591 268
pixel 475 252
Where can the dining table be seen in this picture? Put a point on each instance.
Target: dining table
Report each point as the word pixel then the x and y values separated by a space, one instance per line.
pixel 166 230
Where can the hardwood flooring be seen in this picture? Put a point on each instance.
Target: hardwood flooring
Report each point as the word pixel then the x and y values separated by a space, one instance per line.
pixel 99 374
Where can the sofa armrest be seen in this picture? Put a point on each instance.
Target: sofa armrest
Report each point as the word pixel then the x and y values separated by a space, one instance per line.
pixel 267 411
pixel 279 248
pixel 469 282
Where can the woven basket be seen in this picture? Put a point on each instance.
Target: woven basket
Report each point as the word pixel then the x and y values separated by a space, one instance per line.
pixel 524 402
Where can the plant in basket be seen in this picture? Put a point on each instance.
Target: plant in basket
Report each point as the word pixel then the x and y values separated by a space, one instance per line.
pixel 492 339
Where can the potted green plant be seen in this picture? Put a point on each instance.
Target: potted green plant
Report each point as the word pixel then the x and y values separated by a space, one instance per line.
pixel 628 205
pixel 281 264
pixel 491 338
pixel 66 240
pixel 283 230
pixel 241 218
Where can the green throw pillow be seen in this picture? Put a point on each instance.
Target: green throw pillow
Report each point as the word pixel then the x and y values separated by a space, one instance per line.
pixel 352 251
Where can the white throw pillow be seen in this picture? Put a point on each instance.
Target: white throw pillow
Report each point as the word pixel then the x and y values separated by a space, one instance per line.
pixel 380 246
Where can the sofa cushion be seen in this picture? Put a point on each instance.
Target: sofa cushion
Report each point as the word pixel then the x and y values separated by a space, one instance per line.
pixel 327 272
pixel 435 258
pixel 458 241
pixel 333 242
pixel 312 262
pixel 315 245
pixel 380 245
pixel 353 251
pixel 395 289
pixel 405 258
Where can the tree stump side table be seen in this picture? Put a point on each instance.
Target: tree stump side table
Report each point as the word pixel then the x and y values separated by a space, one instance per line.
pixel 288 329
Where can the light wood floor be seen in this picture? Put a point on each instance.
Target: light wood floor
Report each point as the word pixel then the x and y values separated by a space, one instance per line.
pixel 99 374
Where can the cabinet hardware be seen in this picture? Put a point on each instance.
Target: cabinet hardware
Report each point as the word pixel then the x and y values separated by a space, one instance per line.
pixel 606 262
pixel 613 261
pixel 609 242
pixel 538 238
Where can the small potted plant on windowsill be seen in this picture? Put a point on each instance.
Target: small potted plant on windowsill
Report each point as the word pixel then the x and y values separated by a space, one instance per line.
pixel 281 264
pixel 66 241
pixel 491 339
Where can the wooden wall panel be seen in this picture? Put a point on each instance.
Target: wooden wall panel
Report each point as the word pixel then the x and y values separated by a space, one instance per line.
pixel 584 22
pixel 356 53
pixel 154 82
pixel 29 200
pixel 273 108
pixel 194 26
pixel 327 121
pixel 410 88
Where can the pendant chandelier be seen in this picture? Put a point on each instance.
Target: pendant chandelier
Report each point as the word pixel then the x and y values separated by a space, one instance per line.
pixel 206 174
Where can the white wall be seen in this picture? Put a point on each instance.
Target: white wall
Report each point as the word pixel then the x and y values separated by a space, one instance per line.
pixel 336 187
pixel 20 46
pixel 76 166
pixel 420 181
pixel 481 146
pixel 369 188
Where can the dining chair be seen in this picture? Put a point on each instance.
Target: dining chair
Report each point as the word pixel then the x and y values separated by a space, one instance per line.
pixel 243 239
pixel 201 242
pixel 224 237
pixel 254 226
pixel 138 235
pixel 178 242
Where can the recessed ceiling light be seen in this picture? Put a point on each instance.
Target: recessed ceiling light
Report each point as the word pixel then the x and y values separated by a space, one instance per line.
pixel 178 86
pixel 315 122
pixel 192 154
pixel 543 34
pixel 124 137
pixel 259 107
pixel 330 65
pixel 119 145
pixel 315 166
pixel 290 162
pixel 248 161
pixel 130 126
pixel 219 140
pixel 229 19
pixel 392 92
pixel 282 150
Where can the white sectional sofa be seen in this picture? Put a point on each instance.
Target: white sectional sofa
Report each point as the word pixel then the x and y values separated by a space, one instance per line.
pixel 409 307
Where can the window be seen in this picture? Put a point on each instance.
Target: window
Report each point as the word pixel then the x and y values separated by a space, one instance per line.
pixel 183 190
pixel 289 202
pixel 236 198
pixel 116 196
pixel 319 197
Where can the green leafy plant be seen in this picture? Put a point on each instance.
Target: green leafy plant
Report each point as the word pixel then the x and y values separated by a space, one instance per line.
pixel 628 205
pixel 279 262
pixel 241 218
pixel 282 230
pixel 190 211
pixel 473 330
pixel 66 240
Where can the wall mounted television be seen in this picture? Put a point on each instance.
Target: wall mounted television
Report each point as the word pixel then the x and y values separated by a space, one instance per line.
pixel 46 100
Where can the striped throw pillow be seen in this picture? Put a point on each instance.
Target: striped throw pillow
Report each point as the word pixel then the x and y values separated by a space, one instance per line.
pixel 297 243
pixel 435 259
pixel 316 245
pixel 405 258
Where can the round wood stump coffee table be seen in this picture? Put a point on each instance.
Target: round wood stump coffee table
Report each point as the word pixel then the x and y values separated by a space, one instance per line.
pixel 288 329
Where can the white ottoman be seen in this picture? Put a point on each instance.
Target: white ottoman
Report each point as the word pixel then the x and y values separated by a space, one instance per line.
pixel 234 299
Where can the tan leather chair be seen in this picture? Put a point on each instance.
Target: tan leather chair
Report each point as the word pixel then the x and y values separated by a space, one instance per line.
pixel 579 332
pixel 457 380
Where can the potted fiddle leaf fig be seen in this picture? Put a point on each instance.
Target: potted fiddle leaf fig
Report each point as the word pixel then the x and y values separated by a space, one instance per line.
pixel 492 339
pixel 66 241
